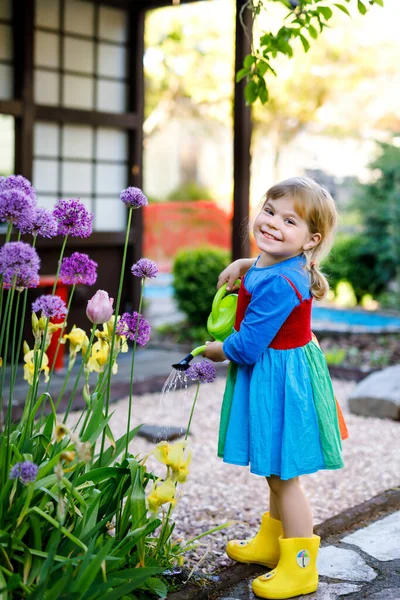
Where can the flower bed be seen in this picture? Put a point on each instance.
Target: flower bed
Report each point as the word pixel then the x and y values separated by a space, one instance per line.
pixel 80 516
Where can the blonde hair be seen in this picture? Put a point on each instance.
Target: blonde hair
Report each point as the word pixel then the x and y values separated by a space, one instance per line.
pixel 316 206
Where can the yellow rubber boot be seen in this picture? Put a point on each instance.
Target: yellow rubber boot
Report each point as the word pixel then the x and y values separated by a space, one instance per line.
pixel 263 549
pixel 296 573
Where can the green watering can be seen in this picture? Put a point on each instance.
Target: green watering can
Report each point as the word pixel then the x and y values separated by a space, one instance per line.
pixel 219 323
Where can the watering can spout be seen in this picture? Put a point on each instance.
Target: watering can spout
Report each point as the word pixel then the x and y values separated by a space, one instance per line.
pixel 219 323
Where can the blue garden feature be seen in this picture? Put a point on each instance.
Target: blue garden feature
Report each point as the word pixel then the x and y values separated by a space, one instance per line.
pixel 322 316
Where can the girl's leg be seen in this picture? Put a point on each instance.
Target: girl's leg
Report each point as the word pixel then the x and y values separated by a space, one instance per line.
pixel 293 507
pixel 273 506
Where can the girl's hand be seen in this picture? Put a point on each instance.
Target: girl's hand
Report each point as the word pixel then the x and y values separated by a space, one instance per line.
pixel 214 352
pixel 233 271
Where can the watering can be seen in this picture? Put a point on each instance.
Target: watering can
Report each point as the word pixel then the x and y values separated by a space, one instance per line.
pixel 219 323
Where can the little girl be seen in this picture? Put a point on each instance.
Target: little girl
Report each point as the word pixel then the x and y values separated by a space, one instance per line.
pixel 279 413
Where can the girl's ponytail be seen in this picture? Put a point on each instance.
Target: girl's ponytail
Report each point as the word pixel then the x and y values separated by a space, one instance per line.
pixel 319 286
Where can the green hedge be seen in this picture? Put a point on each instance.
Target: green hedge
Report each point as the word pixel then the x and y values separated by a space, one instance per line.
pixel 195 278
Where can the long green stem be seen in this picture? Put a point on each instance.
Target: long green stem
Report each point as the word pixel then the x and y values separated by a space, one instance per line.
pixel 128 425
pixel 8 237
pixel 6 332
pixel 60 338
pixel 14 364
pixel 85 359
pixel 116 312
pixel 3 371
pixel 38 363
pixel 192 411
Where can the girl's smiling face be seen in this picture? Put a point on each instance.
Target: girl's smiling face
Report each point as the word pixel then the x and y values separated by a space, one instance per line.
pixel 281 233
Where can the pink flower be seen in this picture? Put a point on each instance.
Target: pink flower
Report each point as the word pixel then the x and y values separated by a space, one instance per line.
pixel 100 308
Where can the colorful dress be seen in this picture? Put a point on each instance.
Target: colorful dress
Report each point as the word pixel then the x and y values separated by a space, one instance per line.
pixel 279 414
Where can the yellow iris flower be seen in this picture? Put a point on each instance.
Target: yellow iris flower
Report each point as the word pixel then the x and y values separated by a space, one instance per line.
pixel 29 367
pixel 176 456
pixel 78 340
pixel 161 494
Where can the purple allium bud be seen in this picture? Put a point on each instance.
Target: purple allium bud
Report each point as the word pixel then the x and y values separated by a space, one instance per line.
pixel 42 223
pixel 20 183
pixel 16 207
pixel 26 471
pixel 20 261
pixel 144 268
pixel 203 371
pixel 73 218
pixel 16 471
pixel 133 197
pixel 127 326
pixel 100 308
pixel 29 472
pixel 78 268
pixel 51 306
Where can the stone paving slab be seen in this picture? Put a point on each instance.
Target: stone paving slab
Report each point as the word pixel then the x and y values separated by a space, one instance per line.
pixel 340 563
pixel 380 540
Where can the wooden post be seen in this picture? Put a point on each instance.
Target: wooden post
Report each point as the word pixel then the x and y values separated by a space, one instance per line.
pixel 136 105
pixel 241 140
pixel 23 26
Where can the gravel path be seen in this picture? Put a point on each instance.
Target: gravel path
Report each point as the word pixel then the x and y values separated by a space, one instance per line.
pixel 216 492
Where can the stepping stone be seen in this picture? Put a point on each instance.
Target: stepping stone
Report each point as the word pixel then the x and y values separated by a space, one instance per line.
pixel 380 540
pixel 389 594
pixel 340 563
pixel 156 433
pixel 378 395
pixel 331 591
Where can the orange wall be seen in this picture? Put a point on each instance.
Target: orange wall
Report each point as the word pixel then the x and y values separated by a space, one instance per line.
pixel 172 226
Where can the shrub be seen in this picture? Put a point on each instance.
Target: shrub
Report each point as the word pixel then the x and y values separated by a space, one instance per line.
pixel 195 278
pixel 353 260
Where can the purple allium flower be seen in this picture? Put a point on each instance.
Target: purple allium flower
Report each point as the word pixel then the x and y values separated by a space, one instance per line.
pixel 144 268
pixel 78 268
pixel 20 183
pixel 16 207
pixel 43 223
pixel 25 471
pixel 20 261
pixel 203 371
pixel 73 218
pixel 133 197
pixel 51 306
pixel 127 326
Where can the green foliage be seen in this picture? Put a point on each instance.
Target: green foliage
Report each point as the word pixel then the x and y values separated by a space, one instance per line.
pixel 190 191
pixel 352 259
pixel 305 21
pixel 378 204
pixel 195 278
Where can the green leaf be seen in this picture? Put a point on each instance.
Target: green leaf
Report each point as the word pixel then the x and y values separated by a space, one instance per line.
pixel 110 454
pixel 97 475
pixel 313 32
pixel 325 11
pixel 343 9
pixel 305 42
pixel 262 91
pixel 87 575
pixel 250 92
pixel 157 587
pixel 241 74
pixel 380 2
pixel 57 526
pixel 249 60
pixel 361 7
pixel 262 67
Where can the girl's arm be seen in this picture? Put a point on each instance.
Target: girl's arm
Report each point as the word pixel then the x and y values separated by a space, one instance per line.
pixel 236 269
pixel 271 303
